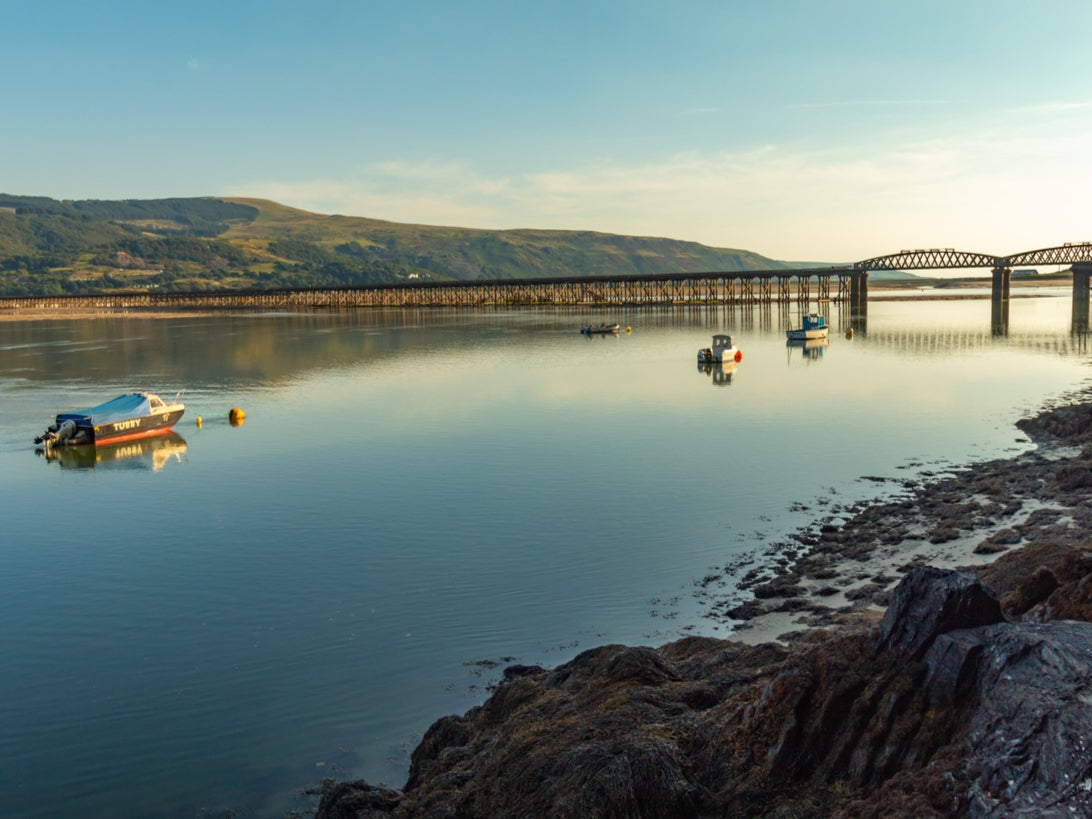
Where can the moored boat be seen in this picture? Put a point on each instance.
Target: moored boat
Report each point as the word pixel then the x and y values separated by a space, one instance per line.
pixel 125 418
pixel 588 329
pixel 813 326
pixel 724 349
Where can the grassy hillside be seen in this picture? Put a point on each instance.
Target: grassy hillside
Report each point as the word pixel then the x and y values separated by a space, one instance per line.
pixel 467 253
pixel 49 246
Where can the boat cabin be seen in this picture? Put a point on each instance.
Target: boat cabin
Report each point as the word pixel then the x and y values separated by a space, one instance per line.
pixel 723 350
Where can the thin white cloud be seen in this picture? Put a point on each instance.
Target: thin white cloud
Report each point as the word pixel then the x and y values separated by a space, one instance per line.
pixel 993 192
pixel 1054 107
pixel 868 103
pixel 192 64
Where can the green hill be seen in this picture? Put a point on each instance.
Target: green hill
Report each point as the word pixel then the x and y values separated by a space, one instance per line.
pixel 49 246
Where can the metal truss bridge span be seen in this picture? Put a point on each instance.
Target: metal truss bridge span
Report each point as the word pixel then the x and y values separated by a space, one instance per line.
pixel 1078 255
pixel 948 258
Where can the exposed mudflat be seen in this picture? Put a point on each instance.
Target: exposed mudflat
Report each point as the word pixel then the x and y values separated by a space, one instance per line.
pixel 841 572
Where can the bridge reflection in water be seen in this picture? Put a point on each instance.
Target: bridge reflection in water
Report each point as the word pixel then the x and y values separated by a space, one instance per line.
pixel 923 340
pixel 942 341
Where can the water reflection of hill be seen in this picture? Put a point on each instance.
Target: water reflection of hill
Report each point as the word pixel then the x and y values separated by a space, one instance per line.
pixel 198 350
pixel 209 351
pixel 148 453
pixel 239 349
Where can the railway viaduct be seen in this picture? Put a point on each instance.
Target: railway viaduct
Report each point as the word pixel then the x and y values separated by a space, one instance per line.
pixel 845 284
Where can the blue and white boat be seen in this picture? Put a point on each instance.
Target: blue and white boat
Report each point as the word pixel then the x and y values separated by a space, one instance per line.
pixel 814 326
pixel 125 418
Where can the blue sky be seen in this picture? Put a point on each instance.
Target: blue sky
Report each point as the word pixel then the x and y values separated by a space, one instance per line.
pixel 829 130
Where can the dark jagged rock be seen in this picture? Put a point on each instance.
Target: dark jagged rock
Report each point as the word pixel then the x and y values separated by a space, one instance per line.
pixel 1033 590
pixel 929 602
pixel 946 709
pixel 1047 581
pixel 1031 726
pixel 1069 424
pixel 780 586
pixel 357 800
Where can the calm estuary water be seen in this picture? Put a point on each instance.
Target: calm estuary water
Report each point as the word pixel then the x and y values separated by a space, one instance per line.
pixel 416 499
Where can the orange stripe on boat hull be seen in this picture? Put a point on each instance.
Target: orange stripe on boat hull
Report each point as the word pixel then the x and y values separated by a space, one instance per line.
pixel 132 436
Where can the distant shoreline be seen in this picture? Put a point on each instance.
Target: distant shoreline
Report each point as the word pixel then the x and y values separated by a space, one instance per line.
pixel 120 312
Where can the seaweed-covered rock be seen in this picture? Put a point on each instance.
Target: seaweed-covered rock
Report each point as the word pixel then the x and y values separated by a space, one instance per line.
pixel 946 709
pixel 1068 424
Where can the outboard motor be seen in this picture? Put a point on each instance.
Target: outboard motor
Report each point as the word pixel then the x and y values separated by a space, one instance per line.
pixel 56 434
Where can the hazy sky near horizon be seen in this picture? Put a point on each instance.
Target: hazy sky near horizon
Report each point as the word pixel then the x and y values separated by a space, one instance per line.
pixel 808 130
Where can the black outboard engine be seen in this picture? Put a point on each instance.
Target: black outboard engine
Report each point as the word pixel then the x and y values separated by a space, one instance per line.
pixel 56 434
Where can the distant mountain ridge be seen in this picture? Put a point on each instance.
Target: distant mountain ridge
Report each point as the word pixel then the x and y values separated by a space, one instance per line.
pixel 49 246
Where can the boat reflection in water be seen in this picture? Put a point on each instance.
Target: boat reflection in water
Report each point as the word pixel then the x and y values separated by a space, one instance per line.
pixel 146 453
pixel 721 373
pixel 810 349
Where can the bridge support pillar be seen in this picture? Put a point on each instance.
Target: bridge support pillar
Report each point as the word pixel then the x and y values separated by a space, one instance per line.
pixel 999 300
pixel 858 292
pixel 1001 281
pixel 1082 272
pixel 999 317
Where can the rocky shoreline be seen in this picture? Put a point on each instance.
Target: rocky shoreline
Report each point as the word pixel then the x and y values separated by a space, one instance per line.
pixel 935 659
pixel 843 570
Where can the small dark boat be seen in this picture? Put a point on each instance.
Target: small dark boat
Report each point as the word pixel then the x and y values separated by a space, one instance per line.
pixel 125 418
pixel 602 328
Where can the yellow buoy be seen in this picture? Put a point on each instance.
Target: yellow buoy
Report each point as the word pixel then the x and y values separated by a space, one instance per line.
pixel 197 420
pixel 236 416
pixel 628 330
pixel 849 333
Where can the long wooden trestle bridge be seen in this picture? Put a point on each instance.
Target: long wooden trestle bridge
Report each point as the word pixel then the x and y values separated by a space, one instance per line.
pixel 846 284
pixel 736 287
